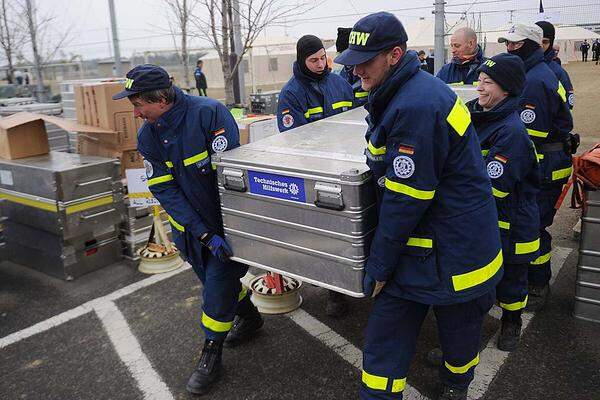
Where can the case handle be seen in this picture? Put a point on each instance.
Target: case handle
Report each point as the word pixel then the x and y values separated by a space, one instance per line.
pixel 329 195
pixel 233 179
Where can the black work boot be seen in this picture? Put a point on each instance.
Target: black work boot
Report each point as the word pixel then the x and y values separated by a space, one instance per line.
pixel 244 327
pixel 510 331
pixel 537 297
pixel 336 304
pixel 208 369
pixel 449 393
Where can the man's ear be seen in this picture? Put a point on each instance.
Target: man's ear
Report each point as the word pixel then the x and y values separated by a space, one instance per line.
pixel 395 55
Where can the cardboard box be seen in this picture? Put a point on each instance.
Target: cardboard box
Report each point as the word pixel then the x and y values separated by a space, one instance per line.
pixel 22 137
pixel 88 105
pixel 79 104
pixel 24 134
pixel 244 126
pixel 130 159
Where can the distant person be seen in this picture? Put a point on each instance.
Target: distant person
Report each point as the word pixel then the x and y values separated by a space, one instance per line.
pixel 347 72
pixel 467 56
pixel 556 51
pixel 8 78
pixel 18 77
pixel 549 55
pixel 26 77
pixel 423 60
pixel 584 48
pixel 595 50
pixel 200 79
pixel 430 62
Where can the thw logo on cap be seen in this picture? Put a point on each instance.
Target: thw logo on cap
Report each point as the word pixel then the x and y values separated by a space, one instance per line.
pixel 359 38
pixel 489 63
pixel 128 83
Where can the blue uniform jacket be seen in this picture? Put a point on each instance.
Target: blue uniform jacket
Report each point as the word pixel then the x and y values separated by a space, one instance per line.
pixel 562 76
pixel 513 169
pixel 437 240
pixel 544 110
pixel 360 96
pixel 465 73
pixel 176 150
pixel 303 99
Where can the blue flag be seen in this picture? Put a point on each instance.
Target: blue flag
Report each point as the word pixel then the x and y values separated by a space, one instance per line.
pixel 541 7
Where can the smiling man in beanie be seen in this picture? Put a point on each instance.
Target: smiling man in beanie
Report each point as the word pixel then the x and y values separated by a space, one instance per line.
pixel 178 136
pixel 313 93
pixel 544 109
pixel 437 242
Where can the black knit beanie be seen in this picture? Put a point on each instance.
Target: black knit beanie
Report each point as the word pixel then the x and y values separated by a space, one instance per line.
pixel 342 40
pixel 506 70
pixel 307 45
pixel 549 31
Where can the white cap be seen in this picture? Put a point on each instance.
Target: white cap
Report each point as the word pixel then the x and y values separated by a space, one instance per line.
pixel 521 32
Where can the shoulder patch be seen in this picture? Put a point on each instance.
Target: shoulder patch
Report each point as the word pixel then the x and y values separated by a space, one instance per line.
pixel 528 116
pixel 404 167
pixel 219 131
pixel 571 99
pixel 495 169
pixel 219 144
pixel 501 158
pixel 405 149
pixel 287 120
pixel 149 169
pixel 286 111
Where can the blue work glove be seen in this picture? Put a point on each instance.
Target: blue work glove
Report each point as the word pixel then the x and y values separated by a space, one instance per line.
pixel 218 247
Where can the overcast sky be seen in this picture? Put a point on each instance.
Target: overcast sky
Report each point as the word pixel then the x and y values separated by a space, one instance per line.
pixel 143 23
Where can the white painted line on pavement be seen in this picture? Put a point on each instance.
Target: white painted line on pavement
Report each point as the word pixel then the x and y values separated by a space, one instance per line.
pixel 341 346
pixel 127 347
pixel 85 308
pixel 491 359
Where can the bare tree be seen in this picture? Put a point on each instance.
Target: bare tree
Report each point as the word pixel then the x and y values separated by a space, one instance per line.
pixel 12 36
pixel 255 16
pixel 181 11
pixel 42 47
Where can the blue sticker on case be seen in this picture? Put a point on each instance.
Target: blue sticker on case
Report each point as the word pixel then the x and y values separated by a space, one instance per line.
pixel 278 186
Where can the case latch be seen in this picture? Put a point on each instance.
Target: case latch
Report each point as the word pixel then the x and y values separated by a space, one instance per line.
pixel 329 195
pixel 233 179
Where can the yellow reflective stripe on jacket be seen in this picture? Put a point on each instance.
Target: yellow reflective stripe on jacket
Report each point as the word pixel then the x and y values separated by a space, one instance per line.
pixel 561 173
pixel 214 325
pixel 478 276
pixel 540 157
pixel 381 382
pixel 504 224
pixel 169 164
pixel 160 179
pixel 562 92
pixel 194 159
pixel 519 305
pixel 528 247
pixel 499 193
pixel 360 95
pixel 341 104
pixel 420 242
pixel 409 191
pixel 376 151
pixel 543 259
pixel 485 152
pixel 314 110
pixel 464 368
pixel 459 117
pixel 86 205
pixel 175 224
pixel 533 132
pixel 243 293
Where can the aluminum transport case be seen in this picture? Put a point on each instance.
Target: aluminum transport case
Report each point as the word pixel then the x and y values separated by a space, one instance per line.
pixel 61 193
pixel 587 291
pixel 302 203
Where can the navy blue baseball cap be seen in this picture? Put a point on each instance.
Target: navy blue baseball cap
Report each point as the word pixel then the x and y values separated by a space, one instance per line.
pixel 370 36
pixel 143 78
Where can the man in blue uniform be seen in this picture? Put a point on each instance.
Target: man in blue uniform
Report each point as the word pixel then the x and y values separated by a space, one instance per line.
pixel 544 109
pixel 549 33
pixel 467 56
pixel 341 44
pixel 434 194
pixel 177 139
pixel 200 79
pixel 313 93
pixel 513 168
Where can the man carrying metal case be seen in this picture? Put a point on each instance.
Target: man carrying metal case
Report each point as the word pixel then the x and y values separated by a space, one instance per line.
pixel 313 93
pixel 437 242
pixel 513 168
pixel 177 139
pixel 544 109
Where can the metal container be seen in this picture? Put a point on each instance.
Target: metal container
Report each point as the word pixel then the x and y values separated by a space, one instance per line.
pixel 61 193
pixel 264 102
pixel 64 259
pixel 302 203
pixel 587 291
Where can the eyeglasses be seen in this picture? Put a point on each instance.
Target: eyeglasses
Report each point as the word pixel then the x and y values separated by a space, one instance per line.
pixel 514 45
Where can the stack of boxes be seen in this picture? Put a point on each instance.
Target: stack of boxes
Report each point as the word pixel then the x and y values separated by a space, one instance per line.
pixel 62 212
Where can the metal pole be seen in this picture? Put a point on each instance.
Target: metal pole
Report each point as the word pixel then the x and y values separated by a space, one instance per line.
pixel 115 38
pixel 439 36
pixel 237 38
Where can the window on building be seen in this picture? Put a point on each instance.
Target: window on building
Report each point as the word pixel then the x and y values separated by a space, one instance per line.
pixel 273 65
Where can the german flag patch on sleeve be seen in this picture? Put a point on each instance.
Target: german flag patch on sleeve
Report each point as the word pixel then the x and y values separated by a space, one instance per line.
pixel 219 132
pixel 405 149
pixel 285 111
